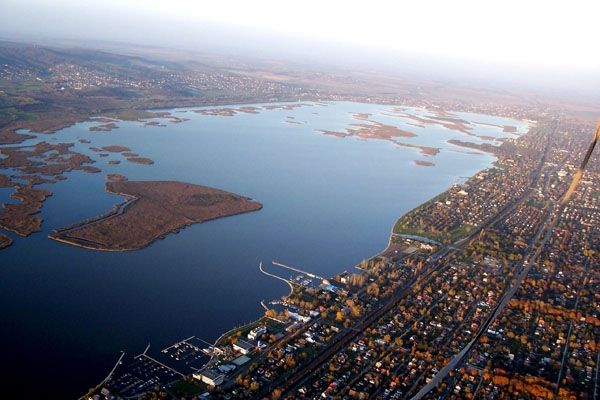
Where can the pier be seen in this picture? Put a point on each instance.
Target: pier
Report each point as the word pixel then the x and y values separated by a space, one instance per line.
pixel 309 274
pixel 290 284
pixel 110 374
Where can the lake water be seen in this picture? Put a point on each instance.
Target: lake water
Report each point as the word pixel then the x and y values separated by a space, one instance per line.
pixel 329 202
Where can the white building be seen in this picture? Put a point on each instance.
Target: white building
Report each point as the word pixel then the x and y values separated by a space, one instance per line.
pixel 257 332
pixel 243 346
pixel 210 376
pixel 298 317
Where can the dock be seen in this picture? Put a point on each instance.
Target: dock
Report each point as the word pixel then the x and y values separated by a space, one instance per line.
pixel 290 284
pixel 295 269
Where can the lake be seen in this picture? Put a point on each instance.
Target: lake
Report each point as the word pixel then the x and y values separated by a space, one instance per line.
pixel 329 202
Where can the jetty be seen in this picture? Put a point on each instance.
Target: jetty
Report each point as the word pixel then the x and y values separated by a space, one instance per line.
pixel 290 284
pixel 309 274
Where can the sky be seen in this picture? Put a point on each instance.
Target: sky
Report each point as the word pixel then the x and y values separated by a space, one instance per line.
pixel 556 34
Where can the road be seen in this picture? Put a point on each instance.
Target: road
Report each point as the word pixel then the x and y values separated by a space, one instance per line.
pixel 546 229
pixel 287 384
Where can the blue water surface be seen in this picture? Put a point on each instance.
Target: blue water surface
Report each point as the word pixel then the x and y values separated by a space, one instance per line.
pixel 329 202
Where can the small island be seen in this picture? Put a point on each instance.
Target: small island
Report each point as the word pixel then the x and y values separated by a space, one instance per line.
pixel 140 160
pixel 485 147
pixel 152 210
pixel 360 115
pixel 116 149
pixel 104 127
pixel 228 112
pixel 441 118
pixel 370 130
pixel 5 181
pixel 5 241
pixel 424 150
pixel 423 163
pixel 23 218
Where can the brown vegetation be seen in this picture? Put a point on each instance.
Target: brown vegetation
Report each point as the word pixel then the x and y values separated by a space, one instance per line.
pixel 116 178
pixel 486 147
pixel 140 160
pixel 377 130
pixel 153 210
pixel 116 149
pixel 292 120
pixel 423 163
pixel 38 180
pixel 34 163
pixel 154 123
pixel 46 122
pixel 505 128
pixel 90 169
pixel 425 150
pixel 8 136
pixel 104 127
pixel 287 107
pixel 227 112
pixel 5 241
pixel 371 130
pixel 456 124
pixel 44 158
pixel 5 181
pixel 221 112
pixel 21 218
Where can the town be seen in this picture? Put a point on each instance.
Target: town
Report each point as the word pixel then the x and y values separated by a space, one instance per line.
pixel 488 291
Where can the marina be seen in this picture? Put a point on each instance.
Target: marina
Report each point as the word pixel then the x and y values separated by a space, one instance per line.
pixel 208 272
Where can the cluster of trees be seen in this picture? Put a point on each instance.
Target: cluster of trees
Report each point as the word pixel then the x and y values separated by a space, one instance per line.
pixel 308 298
pixel 528 386
pixel 248 383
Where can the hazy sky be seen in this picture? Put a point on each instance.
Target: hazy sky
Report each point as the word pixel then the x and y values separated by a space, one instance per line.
pixel 551 33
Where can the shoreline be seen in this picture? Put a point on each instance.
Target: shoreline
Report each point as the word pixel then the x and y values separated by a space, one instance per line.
pixel 391 235
pixel 120 210
pixel 10 136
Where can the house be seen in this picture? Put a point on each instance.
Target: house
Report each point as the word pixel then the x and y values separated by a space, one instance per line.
pixel 244 347
pixel 211 377
pixel 257 332
pixel 410 250
pixel 331 288
pixel 298 317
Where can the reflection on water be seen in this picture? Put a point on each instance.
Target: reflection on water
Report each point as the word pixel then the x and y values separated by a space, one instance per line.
pixel 328 203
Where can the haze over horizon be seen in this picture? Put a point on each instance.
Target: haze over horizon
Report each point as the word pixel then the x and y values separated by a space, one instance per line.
pixel 547 44
pixel 551 34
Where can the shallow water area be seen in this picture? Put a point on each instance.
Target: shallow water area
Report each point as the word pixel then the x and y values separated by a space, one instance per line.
pixel 329 202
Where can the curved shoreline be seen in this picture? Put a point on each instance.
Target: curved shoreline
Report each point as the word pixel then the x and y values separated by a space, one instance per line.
pixel 260 267
pixel 200 213
pixel 86 246
pixel 158 237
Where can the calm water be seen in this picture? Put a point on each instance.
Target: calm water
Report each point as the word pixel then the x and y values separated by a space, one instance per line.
pixel 328 203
